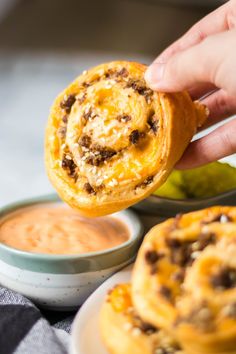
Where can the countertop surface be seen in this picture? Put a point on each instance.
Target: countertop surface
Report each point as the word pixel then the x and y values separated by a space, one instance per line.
pixel 43 46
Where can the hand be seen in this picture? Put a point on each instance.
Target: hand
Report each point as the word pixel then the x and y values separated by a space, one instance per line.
pixel 203 61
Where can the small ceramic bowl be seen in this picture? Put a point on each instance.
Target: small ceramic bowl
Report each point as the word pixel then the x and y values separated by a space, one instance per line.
pixel 63 282
pixel 166 207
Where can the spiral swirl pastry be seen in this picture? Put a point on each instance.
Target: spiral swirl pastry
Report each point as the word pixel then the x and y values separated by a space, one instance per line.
pixel 184 280
pixel 111 140
pixel 123 331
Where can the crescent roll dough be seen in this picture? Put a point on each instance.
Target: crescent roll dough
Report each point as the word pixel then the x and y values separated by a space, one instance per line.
pixel 124 332
pixel 184 280
pixel 111 140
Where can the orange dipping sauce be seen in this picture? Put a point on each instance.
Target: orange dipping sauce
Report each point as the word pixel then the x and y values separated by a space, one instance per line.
pixel 60 230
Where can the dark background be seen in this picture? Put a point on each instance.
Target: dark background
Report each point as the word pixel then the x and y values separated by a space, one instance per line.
pixel 134 26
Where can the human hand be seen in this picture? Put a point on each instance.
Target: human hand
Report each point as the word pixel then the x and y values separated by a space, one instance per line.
pixel 203 61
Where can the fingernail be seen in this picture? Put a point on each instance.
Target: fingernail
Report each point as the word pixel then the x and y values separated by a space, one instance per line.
pixel 154 74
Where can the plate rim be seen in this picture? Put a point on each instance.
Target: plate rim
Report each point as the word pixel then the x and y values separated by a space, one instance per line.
pixel 97 294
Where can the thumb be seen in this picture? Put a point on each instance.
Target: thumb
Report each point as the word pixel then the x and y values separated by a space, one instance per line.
pixel 214 146
pixel 199 64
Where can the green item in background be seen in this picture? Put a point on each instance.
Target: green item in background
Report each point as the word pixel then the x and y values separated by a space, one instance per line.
pixel 173 188
pixel 201 182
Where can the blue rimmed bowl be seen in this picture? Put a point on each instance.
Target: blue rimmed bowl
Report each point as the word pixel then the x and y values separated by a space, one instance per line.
pixel 63 282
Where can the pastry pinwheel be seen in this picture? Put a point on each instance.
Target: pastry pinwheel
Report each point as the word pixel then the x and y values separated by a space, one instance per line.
pixel 184 280
pixel 123 331
pixel 111 140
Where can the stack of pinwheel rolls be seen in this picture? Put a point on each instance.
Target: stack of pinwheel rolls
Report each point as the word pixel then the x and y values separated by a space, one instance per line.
pixel 183 289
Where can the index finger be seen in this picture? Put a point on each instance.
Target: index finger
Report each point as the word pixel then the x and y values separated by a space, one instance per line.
pixel 222 19
pixel 214 146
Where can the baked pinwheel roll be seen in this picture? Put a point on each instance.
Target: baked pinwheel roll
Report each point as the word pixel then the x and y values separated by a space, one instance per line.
pixel 111 140
pixel 123 331
pixel 184 280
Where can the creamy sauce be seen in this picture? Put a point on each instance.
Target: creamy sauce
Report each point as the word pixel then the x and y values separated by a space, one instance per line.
pixel 60 230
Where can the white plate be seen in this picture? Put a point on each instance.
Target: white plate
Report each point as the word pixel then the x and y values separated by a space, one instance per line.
pixel 85 337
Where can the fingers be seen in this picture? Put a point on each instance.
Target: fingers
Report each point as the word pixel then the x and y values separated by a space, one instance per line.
pixel 222 19
pixel 182 71
pixel 221 106
pixel 216 145
pixel 201 89
pixel 207 62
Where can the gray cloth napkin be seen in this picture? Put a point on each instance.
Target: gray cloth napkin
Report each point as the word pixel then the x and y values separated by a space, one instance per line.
pixel 23 330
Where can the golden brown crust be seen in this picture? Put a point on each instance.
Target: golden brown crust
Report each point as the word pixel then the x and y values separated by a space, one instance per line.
pixel 184 280
pixel 124 332
pixel 111 141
